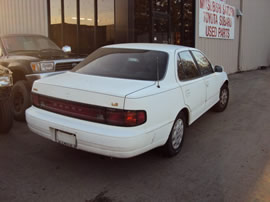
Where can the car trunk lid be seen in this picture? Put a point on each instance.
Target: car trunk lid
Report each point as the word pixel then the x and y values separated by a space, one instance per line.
pixel 87 89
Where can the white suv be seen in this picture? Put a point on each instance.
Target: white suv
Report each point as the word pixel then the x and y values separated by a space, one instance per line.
pixel 126 99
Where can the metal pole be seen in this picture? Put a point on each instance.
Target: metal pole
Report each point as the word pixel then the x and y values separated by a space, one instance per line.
pixel 239 59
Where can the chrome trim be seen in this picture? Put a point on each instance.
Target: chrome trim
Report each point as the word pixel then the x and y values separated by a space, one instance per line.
pixel 55 62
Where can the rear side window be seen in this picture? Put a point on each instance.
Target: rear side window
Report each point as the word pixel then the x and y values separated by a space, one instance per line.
pixel 125 64
pixel 203 63
pixel 186 66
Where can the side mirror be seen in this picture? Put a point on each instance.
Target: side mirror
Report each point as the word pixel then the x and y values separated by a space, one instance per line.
pixel 66 49
pixel 218 68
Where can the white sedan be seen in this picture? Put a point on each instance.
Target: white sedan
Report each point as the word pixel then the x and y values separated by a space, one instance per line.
pixel 126 99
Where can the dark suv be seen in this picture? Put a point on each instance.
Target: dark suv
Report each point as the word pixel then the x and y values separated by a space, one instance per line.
pixel 6 117
pixel 31 57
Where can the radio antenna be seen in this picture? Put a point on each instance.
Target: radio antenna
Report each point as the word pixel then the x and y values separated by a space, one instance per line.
pixel 158 72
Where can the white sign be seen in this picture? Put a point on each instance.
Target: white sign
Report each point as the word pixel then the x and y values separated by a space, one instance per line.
pixel 216 19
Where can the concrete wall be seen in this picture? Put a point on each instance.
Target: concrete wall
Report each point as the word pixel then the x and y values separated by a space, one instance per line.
pixel 23 16
pixel 254 40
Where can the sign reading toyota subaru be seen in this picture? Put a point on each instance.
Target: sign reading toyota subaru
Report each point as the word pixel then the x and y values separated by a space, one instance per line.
pixel 216 19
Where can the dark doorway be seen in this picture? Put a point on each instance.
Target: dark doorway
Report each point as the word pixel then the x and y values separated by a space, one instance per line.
pixel 160 29
pixel 164 21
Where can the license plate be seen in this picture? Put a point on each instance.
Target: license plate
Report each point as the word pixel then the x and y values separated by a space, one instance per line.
pixel 65 138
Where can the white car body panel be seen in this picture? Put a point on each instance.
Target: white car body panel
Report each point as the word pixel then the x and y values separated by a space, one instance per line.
pixel 103 139
pixel 162 105
pixel 84 88
pixel 194 94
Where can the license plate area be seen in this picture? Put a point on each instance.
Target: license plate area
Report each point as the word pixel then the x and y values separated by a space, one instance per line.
pixel 65 138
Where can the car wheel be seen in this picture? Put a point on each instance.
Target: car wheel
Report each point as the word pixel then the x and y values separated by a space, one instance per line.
pixel 176 137
pixel 20 100
pixel 223 99
pixel 6 116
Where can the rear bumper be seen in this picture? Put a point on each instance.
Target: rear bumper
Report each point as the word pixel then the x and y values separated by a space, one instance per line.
pixel 101 139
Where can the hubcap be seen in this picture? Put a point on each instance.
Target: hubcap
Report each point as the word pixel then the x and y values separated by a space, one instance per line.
pixel 224 97
pixel 177 133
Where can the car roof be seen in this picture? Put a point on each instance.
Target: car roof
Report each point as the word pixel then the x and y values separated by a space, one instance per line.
pixel 150 46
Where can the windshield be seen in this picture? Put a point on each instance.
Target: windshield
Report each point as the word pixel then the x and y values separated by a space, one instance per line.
pixel 125 63
pixel 28 43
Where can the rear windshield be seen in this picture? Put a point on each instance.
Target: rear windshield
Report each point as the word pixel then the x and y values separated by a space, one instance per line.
pixel 125 64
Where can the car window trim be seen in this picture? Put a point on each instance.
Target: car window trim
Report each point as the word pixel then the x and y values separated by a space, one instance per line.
pixel 191 52
pixel 194 78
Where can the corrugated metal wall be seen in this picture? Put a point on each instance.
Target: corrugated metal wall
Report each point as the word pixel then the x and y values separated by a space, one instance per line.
pixel 255 42
pixel 30 16
pixel 256 34
pixel 23 16
pixel 220 51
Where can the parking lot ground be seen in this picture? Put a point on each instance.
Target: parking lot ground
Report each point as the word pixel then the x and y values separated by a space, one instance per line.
pixel 225 157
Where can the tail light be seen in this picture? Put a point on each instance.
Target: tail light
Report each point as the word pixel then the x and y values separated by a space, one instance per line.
pixel 92 113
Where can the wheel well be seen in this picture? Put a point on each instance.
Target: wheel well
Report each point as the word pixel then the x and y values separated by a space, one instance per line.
pixel 186 113
pixel 18 75
pixel 226 83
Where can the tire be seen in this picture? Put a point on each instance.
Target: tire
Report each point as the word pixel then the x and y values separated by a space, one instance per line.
pixel 20 100
pixel 175 141
pixel 223 99
pixel 6 116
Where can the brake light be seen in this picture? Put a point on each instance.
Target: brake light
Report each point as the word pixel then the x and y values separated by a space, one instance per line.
pixel 131 118
pixel 114 117
pixel 92 113
pixel 35 99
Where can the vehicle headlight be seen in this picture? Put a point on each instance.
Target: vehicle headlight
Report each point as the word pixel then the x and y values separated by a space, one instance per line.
pixel 42 66
pixel 5 81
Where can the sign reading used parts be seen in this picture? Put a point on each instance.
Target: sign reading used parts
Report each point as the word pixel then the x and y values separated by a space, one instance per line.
pixel 216 20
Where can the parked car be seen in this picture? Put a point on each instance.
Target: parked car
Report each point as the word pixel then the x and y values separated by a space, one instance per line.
pixel 126 99
pixel 6 117
pixel 31 57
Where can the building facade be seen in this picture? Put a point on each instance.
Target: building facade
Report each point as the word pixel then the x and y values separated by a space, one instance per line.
pixel 86 25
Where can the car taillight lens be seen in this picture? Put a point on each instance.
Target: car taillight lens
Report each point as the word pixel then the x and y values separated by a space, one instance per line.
pixel 92 113
pixel 35 99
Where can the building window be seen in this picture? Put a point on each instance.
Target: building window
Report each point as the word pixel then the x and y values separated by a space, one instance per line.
pixel 105 28
pixel 166 21
pixel 85 25
pixel 160 6
pixel 55 26
pixel 176 16
pixel 142 21
pixel 188 23
pixel 70 24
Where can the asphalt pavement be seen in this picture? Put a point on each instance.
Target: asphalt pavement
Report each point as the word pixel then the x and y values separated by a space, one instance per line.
pixel 225 157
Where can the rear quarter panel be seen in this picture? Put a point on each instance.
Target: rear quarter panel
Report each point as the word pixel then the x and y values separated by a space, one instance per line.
pixel 162 106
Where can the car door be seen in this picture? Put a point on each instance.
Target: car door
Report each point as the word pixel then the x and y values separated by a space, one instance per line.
pixel 210 78
pixel 192 84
